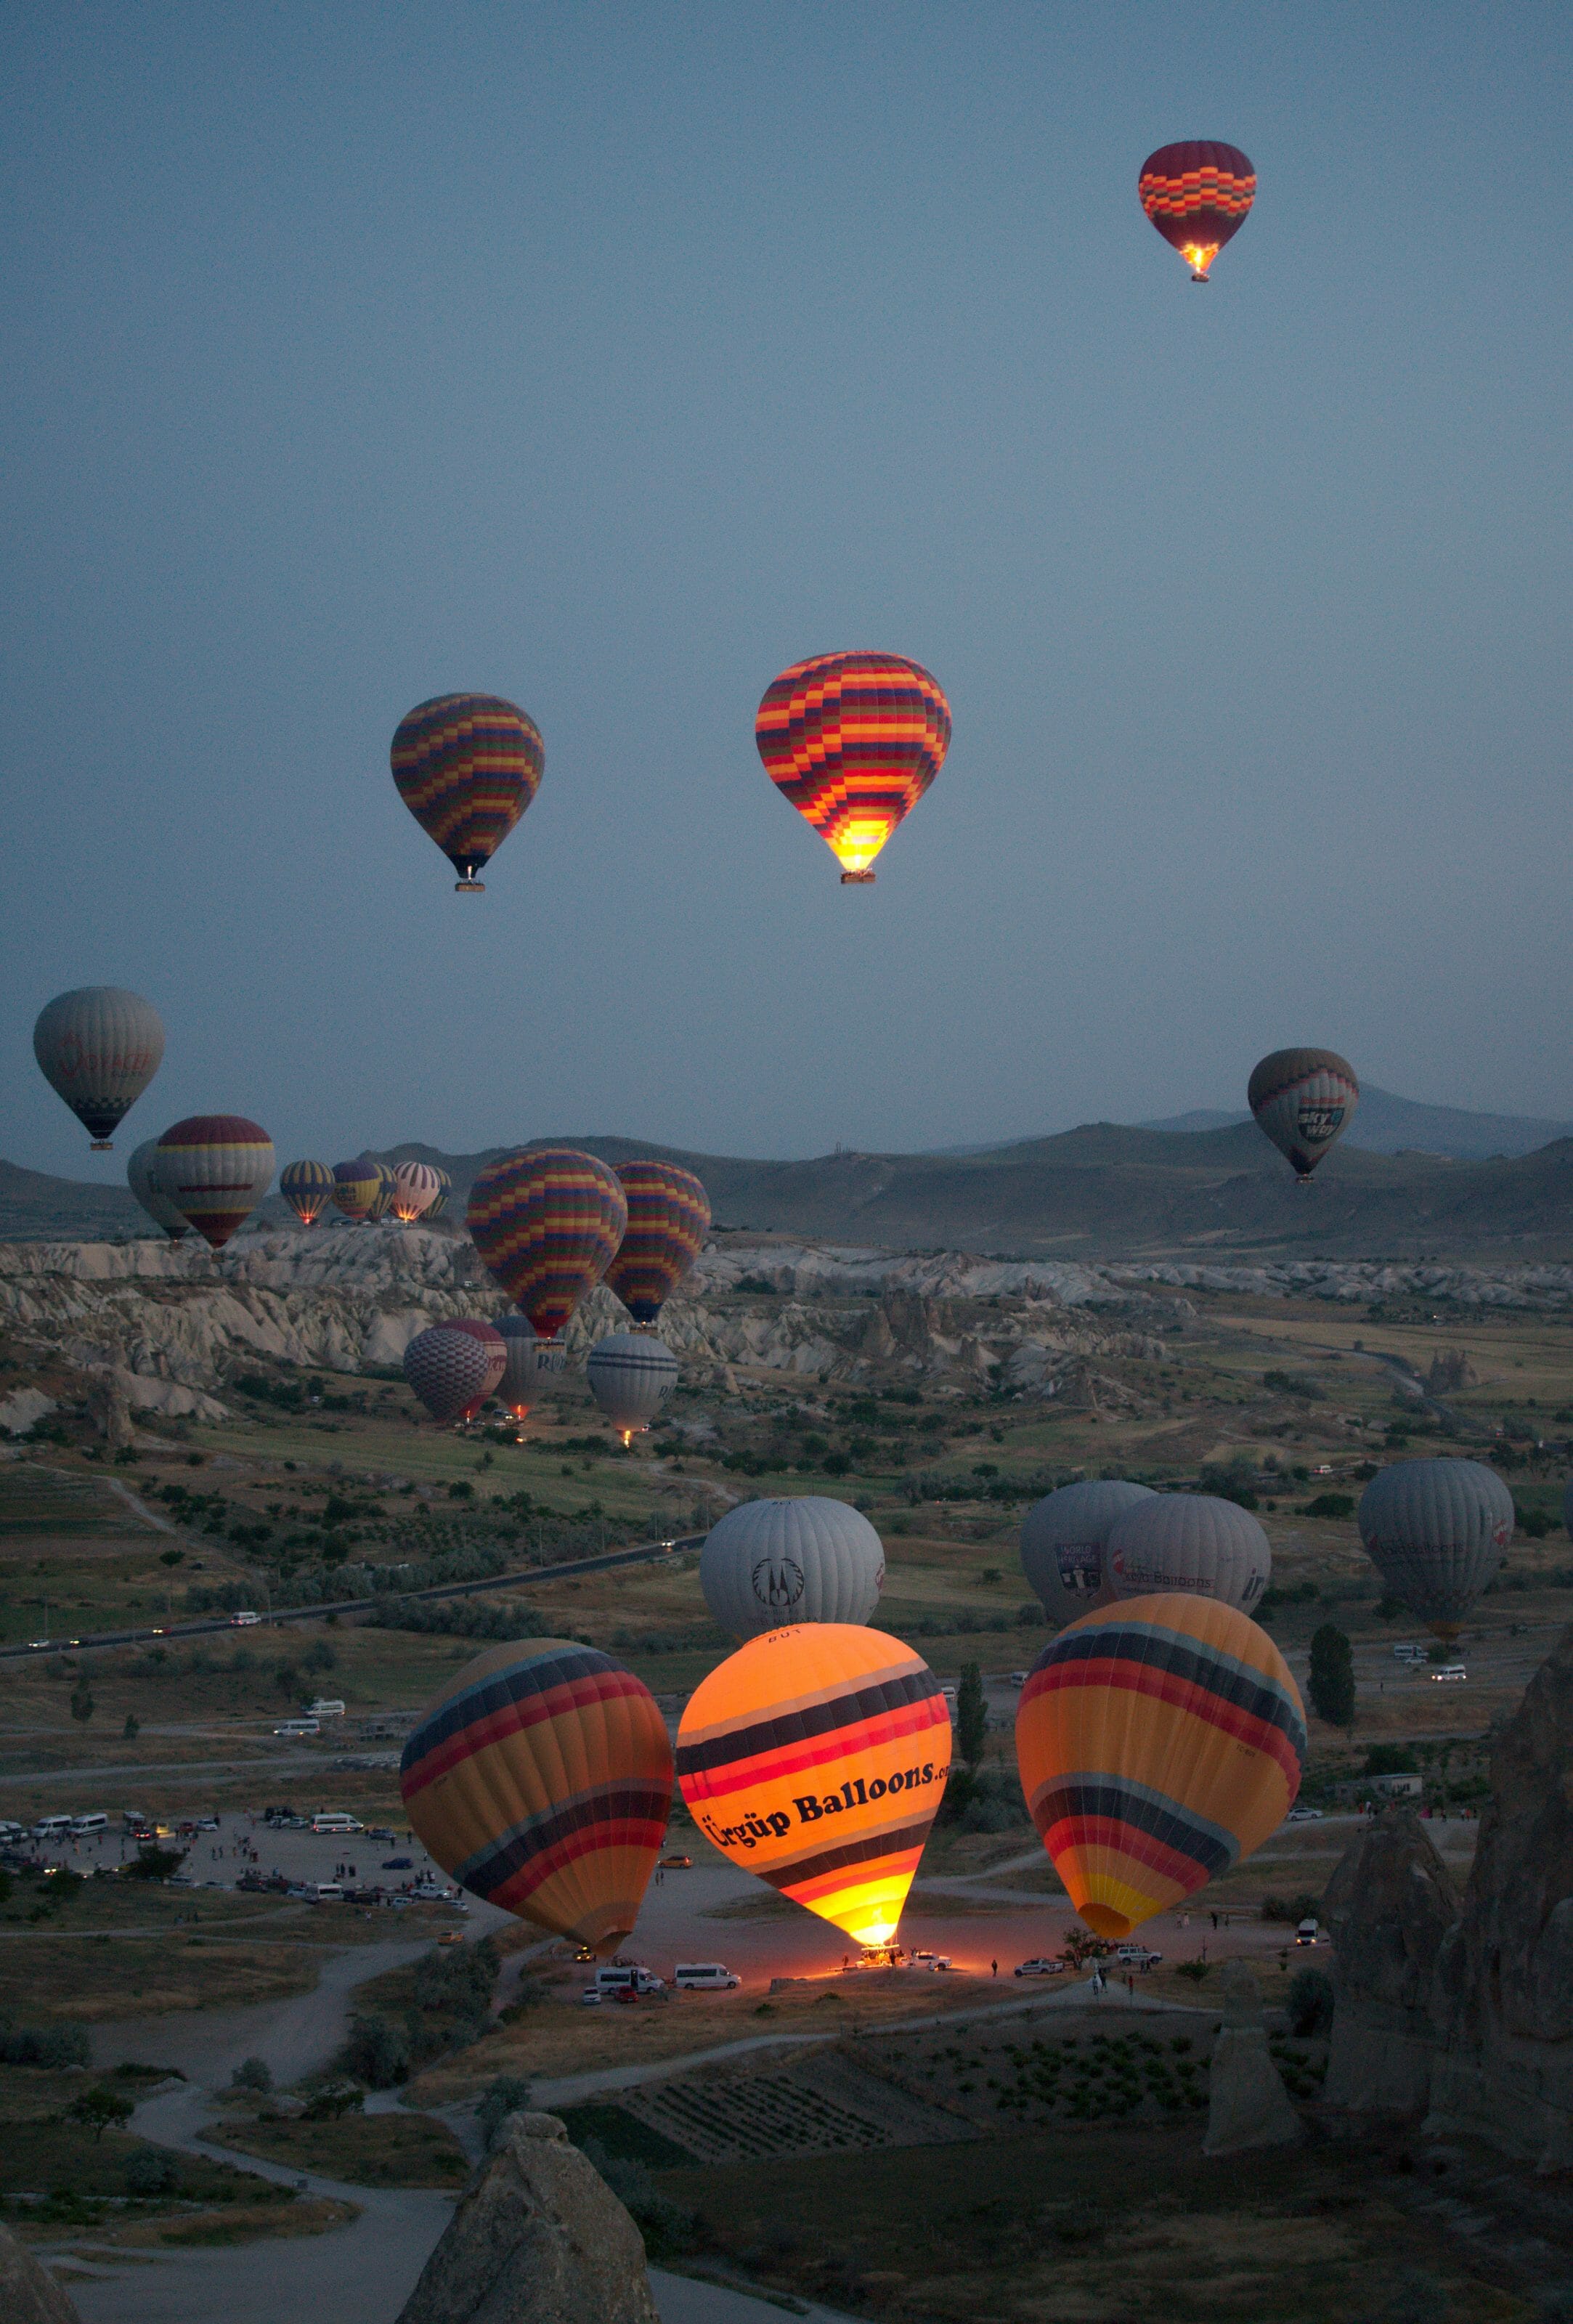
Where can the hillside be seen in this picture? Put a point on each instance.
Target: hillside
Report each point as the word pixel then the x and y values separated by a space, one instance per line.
pixel 1387 1124
pixel 1103 1190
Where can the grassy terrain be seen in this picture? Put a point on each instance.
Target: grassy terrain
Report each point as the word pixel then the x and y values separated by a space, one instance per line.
pixel 364 2150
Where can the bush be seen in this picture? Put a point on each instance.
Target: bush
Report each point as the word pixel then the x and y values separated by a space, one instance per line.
pixel 667 2229
pixel 1329 1505
pixel 971 1715
pixel 332 2100
pixel 45 2045
pixel 1311 2003
pixel 150 2173
pixel 1331 1684
pixel 252 2074
pixel 1194 1969
pixel 510 2094
pixel 377 2053
pixel 154 1864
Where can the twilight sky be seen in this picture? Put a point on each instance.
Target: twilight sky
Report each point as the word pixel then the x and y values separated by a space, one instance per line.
pixel 609 358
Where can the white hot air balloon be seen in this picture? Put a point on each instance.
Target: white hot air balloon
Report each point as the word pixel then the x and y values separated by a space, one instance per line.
pixel 98 1047
pixel 630 1374
pixel 1189 1542
pixel 1062 1540
pixel 518 1385
pixel 143 1183
pixel 1436 1531
pixel 769 1563
pixel 416 1187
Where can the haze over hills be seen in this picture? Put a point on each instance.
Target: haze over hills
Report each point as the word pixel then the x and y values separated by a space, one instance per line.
pixel 1387 1124
pixel 1103 1190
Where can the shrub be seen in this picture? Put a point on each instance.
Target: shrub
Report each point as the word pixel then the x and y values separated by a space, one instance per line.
pixel 45 2045
pixel 377 2053
pixel 1311 2003
pixel 1331 1685
pixel 510 2094
pixel 154 1864
pixel 971 1715
pixel 1329 1505
pixel 252 2074
pixel 667 2229
pixel 332 2099
pixel 1194 1969
pixel 150 2173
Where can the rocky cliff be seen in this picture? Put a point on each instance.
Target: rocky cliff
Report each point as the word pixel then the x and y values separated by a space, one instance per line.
pixel 1463 2012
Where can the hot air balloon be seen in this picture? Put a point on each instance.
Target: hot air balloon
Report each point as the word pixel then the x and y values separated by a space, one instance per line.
pixel 1188 1542
pixel 1159 1741
pixel 454 1366
pixel 541 1780
pixel 355 1187
pixel 668 1218
pixel 98 1047
pixel 467 765
pixel 1436 1531
pixel 415 1190
pixel 631 1375
pixel 1303 1099
pixel 215 1167
pixel 768 1564
pixel 516 1387
pixel 1063 1541
pixel 308 1188
pixel 853 741
pixel 1197 195
pixel 546 1221
pixel 439 1201
pixel 381 1200
pixel 816 1757
pixel 145 1185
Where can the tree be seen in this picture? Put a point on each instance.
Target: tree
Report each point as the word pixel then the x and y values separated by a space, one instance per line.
pixel 252 2074
pixel 1332 1676
pixel 100 2109
pixel 510 2094
pixel 82 1703
pixel 133 1727
pixel 1311 2003
pixel 971 1715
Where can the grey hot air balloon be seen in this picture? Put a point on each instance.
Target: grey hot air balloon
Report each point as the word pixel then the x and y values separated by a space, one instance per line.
pixel 517 1387
pixel 1193 1543
pixel 769 1563
pixel 1062 1540
pixel 630 1374
pixel 98 1047
pixel 145 1185
pixel 1303 1099
pixel 1436 1531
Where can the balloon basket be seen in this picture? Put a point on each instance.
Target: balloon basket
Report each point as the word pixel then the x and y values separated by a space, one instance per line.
pixel 857 878
pixel 469 886
pixel 102 1146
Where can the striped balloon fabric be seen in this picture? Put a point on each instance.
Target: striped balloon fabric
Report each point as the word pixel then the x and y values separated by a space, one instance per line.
pixel 816 1757
pixel 631 1375
pixel 1159 1741
pixel 467 765
pixel 142 1178
pixel 1197 195
pixel 98 1047
pixel 307 1188
pixel 853 739
pixel 381 1200
pixel 215 1168
pixel 454 1366
pixel 354 1188
pixel 546 1221
pixel 541 1779
pixel 668 1218
pixel 415 1190
pixel 1303 1100
pixel 439 1201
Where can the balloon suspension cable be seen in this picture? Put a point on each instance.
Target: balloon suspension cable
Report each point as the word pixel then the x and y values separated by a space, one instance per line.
pixel 857 878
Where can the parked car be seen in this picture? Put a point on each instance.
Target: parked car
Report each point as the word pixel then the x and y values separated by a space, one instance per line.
pixel 923 1959
pixel 398 1864
pixel 452 1937
pixel 1018 1678
pixel 627 1977
pixel 1039 1966
pixel 244 1620
pixel 704 1977
pixel 1304 1815
pixel 1137 1957
pixel 676 1863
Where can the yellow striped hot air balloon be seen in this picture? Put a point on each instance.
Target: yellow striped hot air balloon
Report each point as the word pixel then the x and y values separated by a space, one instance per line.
pixel 816 1757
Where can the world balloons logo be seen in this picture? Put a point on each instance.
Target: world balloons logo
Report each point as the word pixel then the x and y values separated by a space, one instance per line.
pixel 467 766
pixel 215 1168
pixel 1303 1099
pixel 1197 194
pixel 98 1047
pixel 540 1778
pixel 853 741
pixel 799 1558
pixel 546 1221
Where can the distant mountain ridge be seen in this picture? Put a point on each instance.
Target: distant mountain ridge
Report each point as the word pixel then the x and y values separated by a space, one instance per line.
pixel 1387 1124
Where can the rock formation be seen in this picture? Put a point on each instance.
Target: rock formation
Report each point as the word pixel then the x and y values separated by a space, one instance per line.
pixel 1468 2014
pixel 1250 2105
pixel 28 2294
pixel 539 2239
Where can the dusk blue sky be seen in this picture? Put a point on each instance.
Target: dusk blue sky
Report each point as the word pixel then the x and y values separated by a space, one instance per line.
pixel 610 358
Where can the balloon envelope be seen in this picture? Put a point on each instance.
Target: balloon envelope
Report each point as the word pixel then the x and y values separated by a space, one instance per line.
pixel 141 1178
pixel 668 1218
pixel 546 1221
pixel 307 1188
pixel 1159 1741
pixel 98 1047
pixel 853 741
pixel 467 765
pixel 1436 1531
pixel 215 1168
pixel 631 1375
pixel 415 1190
pixel 1197 194
pixel 382 1193
pixel 1303 1100
pixel 454 1366
pixel 768 1564
pixel 521 1372
pixel 355 1185
pixel 1190 1542
pixel 1062 1540
pixel 540 1778
pixel 817 1757
pixel 439 1201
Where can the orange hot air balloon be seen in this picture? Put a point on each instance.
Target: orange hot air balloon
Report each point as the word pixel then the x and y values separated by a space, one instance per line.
pixel 1159 1740
pixel 816 1757
pixel 853 739
pixel 541 1779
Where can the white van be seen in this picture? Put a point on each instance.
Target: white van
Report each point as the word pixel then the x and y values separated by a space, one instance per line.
pixel 326 1707
pixel 10 1832
pixel 625 1978
pixel 244 1620
pixel 1449 1670
pixel 334 1820
pixel 327 1892
pixel 82 1825
pixel 704 1977
pixel 53 1827
pixel 297 1728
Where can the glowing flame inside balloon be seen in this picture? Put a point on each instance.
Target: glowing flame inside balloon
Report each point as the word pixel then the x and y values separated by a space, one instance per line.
pixel 1199 256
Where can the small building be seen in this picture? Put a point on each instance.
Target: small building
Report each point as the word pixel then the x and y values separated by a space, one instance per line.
pixel 1398 1787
